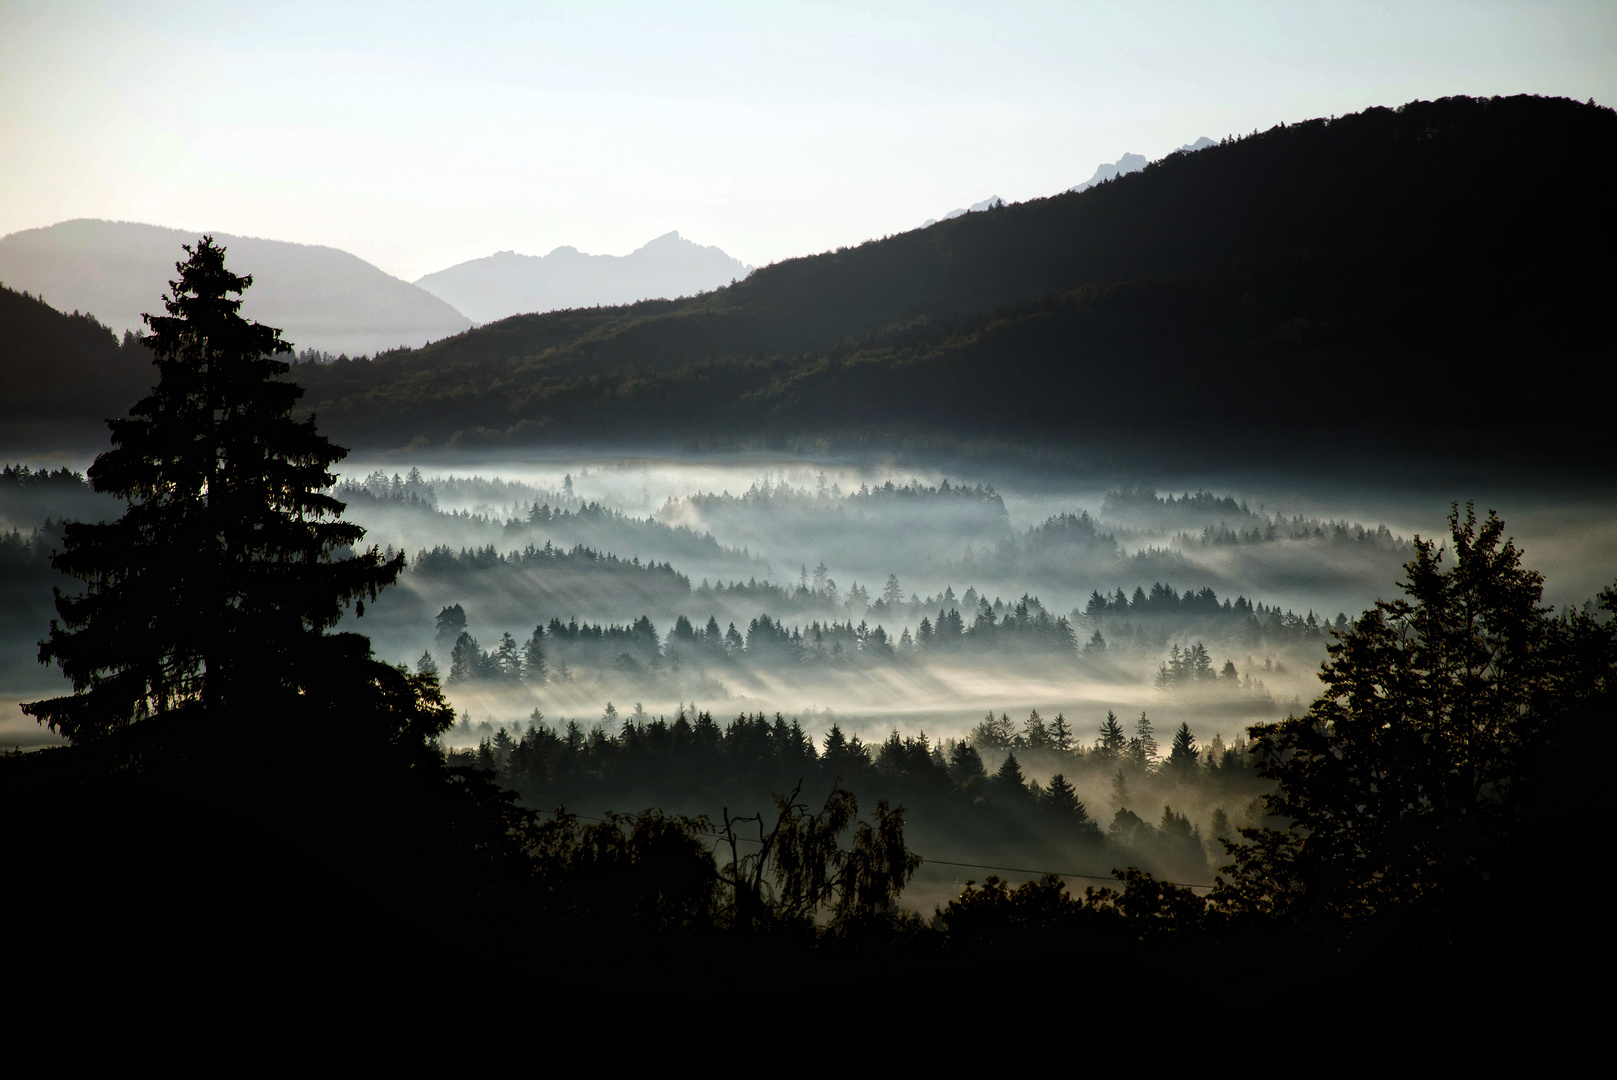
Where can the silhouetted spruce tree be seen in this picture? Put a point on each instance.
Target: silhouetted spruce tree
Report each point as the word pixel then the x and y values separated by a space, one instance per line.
pixel 1009 779
pixel 1062 797
pixel 217 584
pixel 533 657
pixel 508 659
pixel 1035 736
pixel 994 732
pixel 1184 756
pixel 1146 743
pixel 965 764
pixel 464 659
pixel 1112 741
pixel 1060 735
pixel 892 594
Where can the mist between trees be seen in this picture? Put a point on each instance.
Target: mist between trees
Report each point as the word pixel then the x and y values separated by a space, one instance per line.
pixel 802 640
pixel 871 658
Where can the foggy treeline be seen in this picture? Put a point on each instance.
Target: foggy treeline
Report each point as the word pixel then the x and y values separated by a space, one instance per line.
pixel 562 566
pixel 1107 798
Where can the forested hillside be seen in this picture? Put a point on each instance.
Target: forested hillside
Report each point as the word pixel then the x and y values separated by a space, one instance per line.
pixel 1381 275
pixel 64 374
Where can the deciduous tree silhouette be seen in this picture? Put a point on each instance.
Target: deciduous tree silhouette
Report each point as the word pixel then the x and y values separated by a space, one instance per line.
pixel 1409 784
pixel 801 868
pixel 625 877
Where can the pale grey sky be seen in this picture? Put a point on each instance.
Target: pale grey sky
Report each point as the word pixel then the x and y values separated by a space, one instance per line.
pixel 420 135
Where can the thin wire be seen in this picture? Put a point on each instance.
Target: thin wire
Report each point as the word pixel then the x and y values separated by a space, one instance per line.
pixel 1058 873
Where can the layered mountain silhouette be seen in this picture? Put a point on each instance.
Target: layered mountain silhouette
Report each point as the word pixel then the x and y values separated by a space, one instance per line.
pixel 1405 283
pixel 319 297
pixel 506 283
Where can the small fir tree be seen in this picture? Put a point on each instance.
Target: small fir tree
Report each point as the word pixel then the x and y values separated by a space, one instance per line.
pixel 508 659
pixel 1035 736
pixel 995 733
pixel 464 660
pixel 965 764
pixel 533 657
pixel 1144 736
pixel 1060 735
pixel 1184 756
pixel 1112 741
pixel 1009 778
pixel 1062 797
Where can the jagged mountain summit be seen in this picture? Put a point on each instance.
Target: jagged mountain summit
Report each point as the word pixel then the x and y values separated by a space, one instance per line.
pixel 989 203
pixel 319 297
pixel 1129 163
pixel 506 283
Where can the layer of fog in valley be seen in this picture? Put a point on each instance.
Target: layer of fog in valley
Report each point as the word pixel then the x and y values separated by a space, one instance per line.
pixel 911 609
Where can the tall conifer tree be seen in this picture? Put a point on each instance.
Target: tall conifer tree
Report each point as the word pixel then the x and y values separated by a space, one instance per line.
pixel 217 584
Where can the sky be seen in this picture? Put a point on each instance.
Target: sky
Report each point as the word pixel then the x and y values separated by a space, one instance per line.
pixel 418 136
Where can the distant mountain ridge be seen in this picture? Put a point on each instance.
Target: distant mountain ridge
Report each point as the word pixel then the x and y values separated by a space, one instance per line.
pixel 319 297
pixel 505 283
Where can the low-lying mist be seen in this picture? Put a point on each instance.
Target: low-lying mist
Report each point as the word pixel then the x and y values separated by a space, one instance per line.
pixel 876 594
pixel 849 559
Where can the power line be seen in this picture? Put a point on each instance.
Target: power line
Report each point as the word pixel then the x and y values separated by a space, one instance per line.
pixel 1057 873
